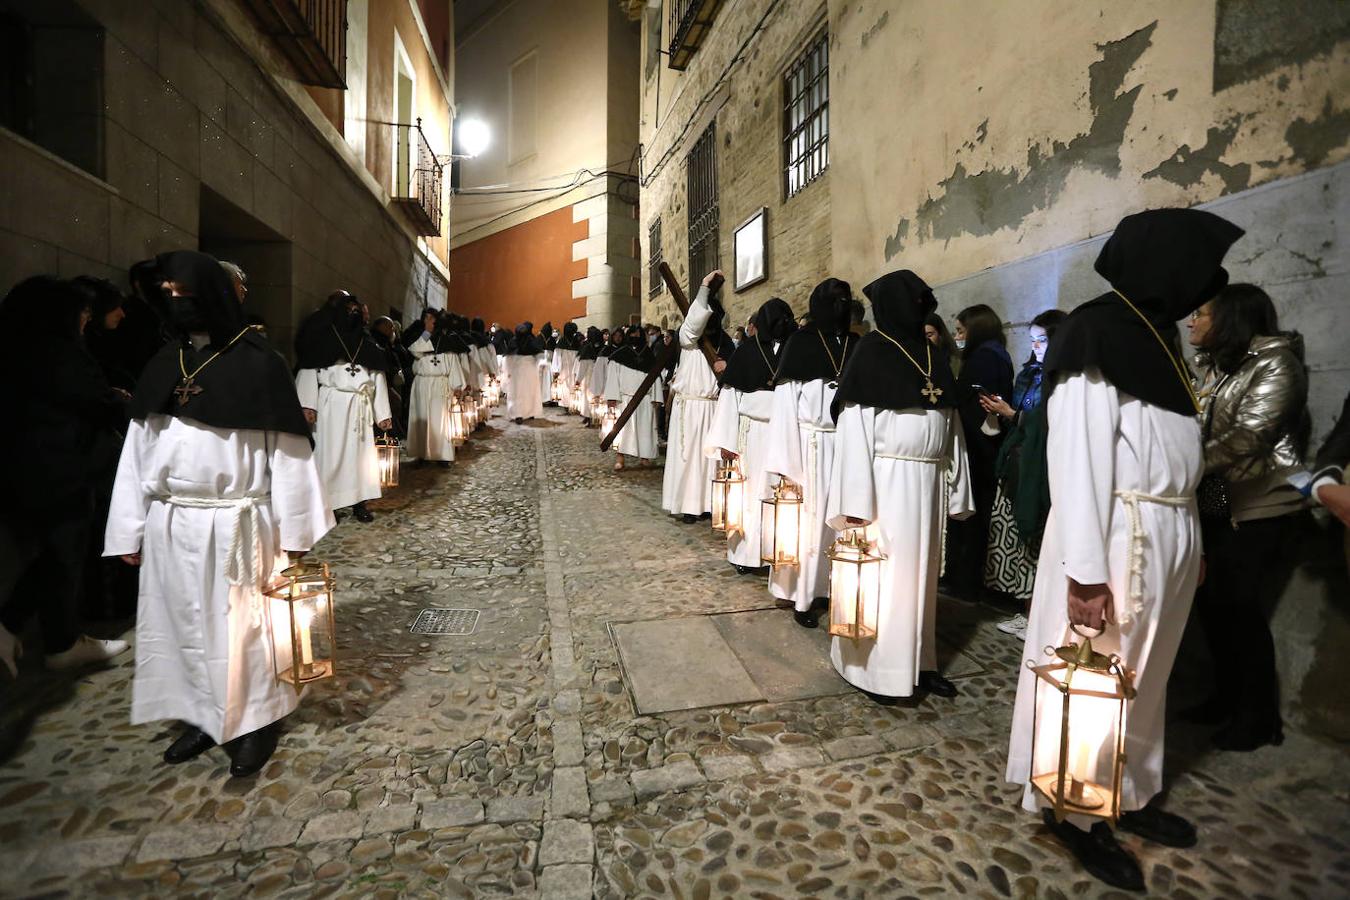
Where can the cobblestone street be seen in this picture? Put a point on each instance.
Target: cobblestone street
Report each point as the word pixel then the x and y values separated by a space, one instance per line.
pixel 512 761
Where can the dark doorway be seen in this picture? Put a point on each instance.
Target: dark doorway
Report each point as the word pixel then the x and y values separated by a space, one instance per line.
pixel 233 235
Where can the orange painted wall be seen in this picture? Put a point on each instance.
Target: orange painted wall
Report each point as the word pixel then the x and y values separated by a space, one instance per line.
pixel 524 272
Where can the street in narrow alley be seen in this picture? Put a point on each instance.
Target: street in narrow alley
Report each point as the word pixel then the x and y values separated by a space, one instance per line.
pixel 625 716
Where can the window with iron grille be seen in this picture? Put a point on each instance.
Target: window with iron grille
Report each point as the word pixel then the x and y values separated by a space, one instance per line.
pixel 654 258
pixel 806 116
pixel 701 180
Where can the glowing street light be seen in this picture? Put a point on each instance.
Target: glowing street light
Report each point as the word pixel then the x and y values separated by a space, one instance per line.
pixel 474 137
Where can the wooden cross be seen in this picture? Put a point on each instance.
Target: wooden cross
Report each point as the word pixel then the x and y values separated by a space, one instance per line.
pixel 186 390
pixel 932 393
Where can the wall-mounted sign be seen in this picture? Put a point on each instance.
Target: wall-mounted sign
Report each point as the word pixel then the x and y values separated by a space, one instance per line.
pixel 748 246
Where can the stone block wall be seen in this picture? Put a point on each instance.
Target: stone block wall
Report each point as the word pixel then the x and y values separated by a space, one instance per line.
pixel 745 100
pixel 188 110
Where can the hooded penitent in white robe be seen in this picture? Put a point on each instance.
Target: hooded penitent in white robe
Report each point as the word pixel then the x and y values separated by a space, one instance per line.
pixel 521 384
pixel 210 510
pixel 904 472
pixel 435 377
pixel 801 449
pixel 347 405
pixel 595 385
pixel 638 436
pixel 1114 462
pixel 686 488
pixel 741 425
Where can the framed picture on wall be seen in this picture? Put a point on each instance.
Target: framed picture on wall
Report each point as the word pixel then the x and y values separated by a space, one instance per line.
pixel 748 246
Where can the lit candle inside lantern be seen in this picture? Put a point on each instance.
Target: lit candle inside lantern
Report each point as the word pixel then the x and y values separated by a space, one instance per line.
pixel 303 617
pixel 1089 727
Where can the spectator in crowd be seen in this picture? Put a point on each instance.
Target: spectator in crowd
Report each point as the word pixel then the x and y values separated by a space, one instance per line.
pixel 1253 391
pixel 70 418
pixel 1022 498
pixel 936 331
pixel 1329 487
pixel 738 336
pixel 986 369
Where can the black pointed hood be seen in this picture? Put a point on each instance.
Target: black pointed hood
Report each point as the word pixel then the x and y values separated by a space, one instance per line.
pixel 1165 263
pixel 820 349
pixel 879 373
pixel 752 367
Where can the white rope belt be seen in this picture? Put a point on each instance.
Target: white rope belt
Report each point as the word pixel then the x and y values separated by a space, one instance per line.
pixel 365 405
pixel 241 567
pixel 946 498
pixel 818 429
pixel 753 418
pixel 1131 500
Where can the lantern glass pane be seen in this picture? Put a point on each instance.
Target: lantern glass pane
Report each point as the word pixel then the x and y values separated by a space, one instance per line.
pixel 735 503
pixel 1089 782
pixel 300 618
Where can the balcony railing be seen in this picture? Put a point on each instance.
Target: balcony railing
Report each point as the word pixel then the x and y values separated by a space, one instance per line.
pixel 312 34
pixel 688 24
pixel 417 190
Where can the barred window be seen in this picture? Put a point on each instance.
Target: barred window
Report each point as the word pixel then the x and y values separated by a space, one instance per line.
pixel 701 182
pixel 806 116
pixel 655 283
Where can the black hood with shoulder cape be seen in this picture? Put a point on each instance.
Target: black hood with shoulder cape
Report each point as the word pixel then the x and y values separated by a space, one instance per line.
pixel 478 333
pixel 751 368
pixel 879 374
pixel 819 349
pixel 329 337
pixel 448 337
pixel 1167 263
pixel 248 386
pixel 634 353
pixel 525 343
pixel 594 343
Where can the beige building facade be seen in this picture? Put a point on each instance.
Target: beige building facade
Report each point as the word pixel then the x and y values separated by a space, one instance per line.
pixel 992 147
pixel 555 81
pixel 200 128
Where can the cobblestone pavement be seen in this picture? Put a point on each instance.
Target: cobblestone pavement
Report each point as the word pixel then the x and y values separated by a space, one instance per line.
pixel 511 761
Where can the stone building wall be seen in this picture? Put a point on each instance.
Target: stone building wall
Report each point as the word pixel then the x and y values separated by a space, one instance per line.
pixel 211 144
pixel 745 100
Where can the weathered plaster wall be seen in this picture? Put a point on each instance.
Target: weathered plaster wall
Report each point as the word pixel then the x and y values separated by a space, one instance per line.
pixel 1013 128
pixel 736 79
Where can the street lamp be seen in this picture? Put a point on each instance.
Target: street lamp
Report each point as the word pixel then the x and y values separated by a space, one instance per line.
pixel 473 137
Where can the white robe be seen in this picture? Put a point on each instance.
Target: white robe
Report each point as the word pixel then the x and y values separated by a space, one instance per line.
pixel 904 472
pixel 203 652
pixel 741 425
pixel 436 377
pixel 595 383
pixel 686 487
pixel 545 375
pixel 584 406
pixel 347 406
pixel 1102 442
pixel 638 436
pixel 801 449
pixel 521 384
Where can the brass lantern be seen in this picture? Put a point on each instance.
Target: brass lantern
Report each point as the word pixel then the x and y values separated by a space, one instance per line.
pixel 1094 689
pixel 728 493
pixel 493 390
pixel 608 421
pixel 855 585
pixel 557 390
pixel 780 525
pixel 387 449
pixel 459 432
pixel 300 616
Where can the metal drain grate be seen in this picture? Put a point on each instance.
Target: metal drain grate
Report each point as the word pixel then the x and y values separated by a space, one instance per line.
pixel 445 621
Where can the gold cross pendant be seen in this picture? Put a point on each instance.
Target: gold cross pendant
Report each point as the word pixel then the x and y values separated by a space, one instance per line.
pixel 932 393
pixel 186 390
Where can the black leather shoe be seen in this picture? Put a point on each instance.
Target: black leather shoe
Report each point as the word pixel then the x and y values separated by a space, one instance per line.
pixel 1212 711
pixel 1098 852
pixel 881 699
pixel 805 617
pixel 1153 824
pixel 935 684
pixel 248 754
pixel 191 743
pixel 519 420
pixel 444 463
pixel 1244 737
pixel 688 519
pixel 362 514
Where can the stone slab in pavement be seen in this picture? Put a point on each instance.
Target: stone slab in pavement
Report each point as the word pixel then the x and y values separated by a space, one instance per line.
pixel 675 664
pixel 785 660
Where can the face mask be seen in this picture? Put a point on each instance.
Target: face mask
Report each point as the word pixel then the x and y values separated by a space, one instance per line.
pixel 186 315
pixel 960 343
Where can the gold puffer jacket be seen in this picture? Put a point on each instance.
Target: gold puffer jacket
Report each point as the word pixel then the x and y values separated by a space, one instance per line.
pixel 1257 415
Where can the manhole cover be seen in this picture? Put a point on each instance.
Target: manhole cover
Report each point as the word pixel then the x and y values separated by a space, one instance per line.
pixel 445 621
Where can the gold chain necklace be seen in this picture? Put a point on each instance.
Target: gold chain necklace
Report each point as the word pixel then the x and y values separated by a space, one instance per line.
pixel 930 393
pixel 1181 373
pixel 764 356
pixel 352 367
pixel 837 366
pixel 186 389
